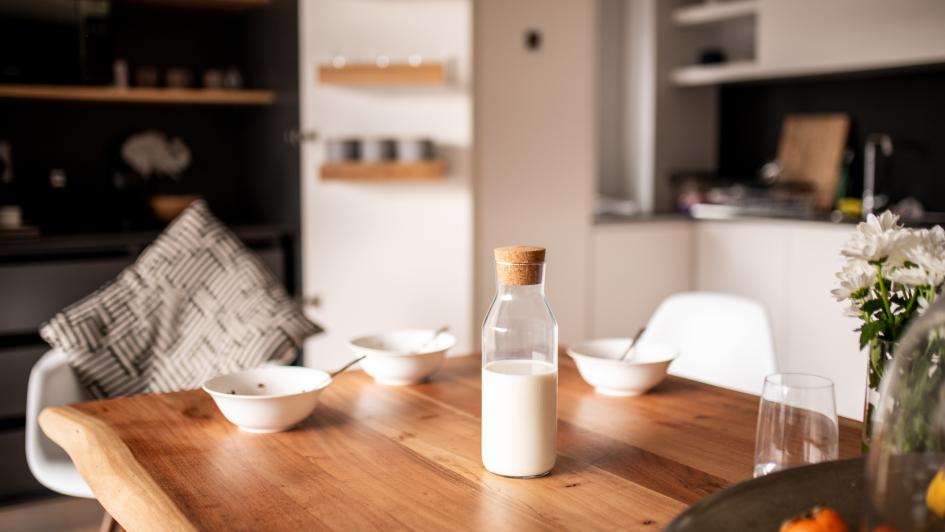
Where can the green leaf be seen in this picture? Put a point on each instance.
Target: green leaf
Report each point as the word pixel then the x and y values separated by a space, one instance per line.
pixel 872 306
pixel 869 331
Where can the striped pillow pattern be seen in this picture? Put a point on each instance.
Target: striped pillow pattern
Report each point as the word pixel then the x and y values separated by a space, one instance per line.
pixel 195 304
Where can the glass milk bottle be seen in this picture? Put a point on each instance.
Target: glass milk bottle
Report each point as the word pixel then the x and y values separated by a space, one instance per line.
pixel 519 369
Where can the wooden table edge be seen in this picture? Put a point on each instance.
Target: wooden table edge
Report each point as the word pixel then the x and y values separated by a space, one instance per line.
pixel 133 495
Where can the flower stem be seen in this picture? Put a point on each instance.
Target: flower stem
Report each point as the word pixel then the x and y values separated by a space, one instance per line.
pixel 884 294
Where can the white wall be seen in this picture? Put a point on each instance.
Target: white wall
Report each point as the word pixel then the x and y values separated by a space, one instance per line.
pixel 626 103
pixel 639 107
pixel 612 65
pixel 848 33
pixel 536 145
pixel 381 257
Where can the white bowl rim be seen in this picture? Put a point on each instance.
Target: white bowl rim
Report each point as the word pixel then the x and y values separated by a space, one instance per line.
pixel 574 352
pixel 373 351
pixel 215 393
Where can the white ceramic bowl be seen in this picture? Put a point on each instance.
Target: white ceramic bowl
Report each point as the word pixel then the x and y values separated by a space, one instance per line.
pixel 597 363
pixel 391 357
pixel 268 399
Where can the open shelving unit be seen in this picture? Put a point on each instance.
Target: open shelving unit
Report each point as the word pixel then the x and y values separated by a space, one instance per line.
pixel 138 95
pixel 385 172
pixel 201 5
pixel 730 25
pixel 357 75
pixel 696 75
pixel 714 11
pixel 745 71
pixel 396 74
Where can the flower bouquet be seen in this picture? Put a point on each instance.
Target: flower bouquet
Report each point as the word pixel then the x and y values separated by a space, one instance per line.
pixel 891 275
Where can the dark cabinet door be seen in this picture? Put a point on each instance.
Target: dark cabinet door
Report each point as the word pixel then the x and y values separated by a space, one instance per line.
pixel 34 292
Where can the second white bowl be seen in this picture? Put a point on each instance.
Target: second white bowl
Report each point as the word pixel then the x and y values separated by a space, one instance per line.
pixel 597 362
pixel 392 358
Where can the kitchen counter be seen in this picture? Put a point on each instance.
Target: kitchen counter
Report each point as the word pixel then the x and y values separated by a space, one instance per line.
pixel 616 219
pixel 611 219
pixel 820 218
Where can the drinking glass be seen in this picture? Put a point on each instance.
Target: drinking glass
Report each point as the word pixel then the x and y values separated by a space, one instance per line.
pixel 797 422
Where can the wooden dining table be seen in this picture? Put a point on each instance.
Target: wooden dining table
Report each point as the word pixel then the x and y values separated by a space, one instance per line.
pixel 379 457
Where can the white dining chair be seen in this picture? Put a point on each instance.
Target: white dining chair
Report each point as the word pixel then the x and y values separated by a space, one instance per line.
pixel 724 340
pixel 52 383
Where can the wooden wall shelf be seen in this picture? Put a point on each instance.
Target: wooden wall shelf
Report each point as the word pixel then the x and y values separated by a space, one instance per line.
pixel 365 74
pixel 138 95
pixel 200 5
pixel 384 172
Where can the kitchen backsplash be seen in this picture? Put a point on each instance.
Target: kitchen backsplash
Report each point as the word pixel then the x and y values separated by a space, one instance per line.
pixel 908 105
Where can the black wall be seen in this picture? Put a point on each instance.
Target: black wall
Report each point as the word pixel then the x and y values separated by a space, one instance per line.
pixel 908 105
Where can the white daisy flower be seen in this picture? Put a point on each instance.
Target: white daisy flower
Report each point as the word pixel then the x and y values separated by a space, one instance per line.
pixel 930 261
pixel 855 276
pixel 852 311
pixel 879 239
pixel 913 277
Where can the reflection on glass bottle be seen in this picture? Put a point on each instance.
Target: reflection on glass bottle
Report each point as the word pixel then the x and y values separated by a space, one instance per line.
pixel 906 463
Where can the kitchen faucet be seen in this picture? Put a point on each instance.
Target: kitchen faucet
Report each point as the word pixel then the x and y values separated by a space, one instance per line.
pixel 885 143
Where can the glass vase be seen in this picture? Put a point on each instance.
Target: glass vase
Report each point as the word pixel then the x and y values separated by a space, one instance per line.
pixel 905 474
pixel 880 353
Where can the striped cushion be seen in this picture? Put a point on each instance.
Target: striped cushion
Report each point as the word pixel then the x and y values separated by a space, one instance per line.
pixel 194 305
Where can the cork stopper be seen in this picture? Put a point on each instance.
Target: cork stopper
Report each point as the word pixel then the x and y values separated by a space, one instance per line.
pixel 519 265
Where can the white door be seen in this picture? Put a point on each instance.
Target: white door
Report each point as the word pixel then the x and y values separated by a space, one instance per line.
pixel 386 256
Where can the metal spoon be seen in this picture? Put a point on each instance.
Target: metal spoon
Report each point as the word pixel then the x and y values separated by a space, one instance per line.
pixel 436 334
pixel 346 366
pixel 632 347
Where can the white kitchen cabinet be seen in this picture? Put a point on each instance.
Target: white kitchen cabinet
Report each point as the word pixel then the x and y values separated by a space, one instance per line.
pixel 636 266
pixel 788 266
pixel 820 338
pixel 746 259
pixel 850 34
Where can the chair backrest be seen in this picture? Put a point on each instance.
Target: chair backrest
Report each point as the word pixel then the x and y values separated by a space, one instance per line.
pixel 722 339
pixel 52 383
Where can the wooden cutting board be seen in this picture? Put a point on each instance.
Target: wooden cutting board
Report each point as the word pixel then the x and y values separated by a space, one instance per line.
pixel 810 150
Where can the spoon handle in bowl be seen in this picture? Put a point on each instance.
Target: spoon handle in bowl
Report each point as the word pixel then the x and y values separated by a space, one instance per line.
pixel 436 334
pixel 633 344
pixel 346 366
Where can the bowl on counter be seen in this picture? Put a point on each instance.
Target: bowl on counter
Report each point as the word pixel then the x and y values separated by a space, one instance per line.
pixel 268 399
pixel 402 357
pixel 598 363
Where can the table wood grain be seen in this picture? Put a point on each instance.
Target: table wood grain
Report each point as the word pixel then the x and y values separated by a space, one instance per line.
pixel 408 457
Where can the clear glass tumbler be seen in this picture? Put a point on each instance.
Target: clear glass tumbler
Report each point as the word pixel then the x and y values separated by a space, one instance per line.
pixel 519 369
pixel 797 422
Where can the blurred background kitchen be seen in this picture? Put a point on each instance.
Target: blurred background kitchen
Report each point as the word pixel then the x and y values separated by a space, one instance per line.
pixel 375 152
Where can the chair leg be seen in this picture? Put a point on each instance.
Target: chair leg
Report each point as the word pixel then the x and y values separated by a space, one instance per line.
pixel 109 524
